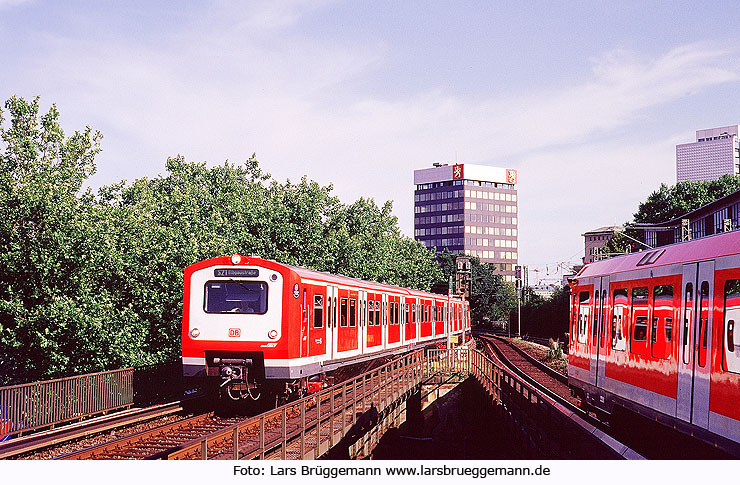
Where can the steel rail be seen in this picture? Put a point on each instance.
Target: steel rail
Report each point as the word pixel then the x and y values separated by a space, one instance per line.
pixel 540 387
pixel 543 367
pixel 103 450
pixel 319 424
pixel 56 436
pixel 336 408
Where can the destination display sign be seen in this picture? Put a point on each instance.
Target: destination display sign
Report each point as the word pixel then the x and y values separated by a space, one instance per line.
pixel 236 273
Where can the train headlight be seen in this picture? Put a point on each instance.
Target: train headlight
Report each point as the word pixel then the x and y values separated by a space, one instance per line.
pixel 194 333
pixel 272 334
pixel 235 259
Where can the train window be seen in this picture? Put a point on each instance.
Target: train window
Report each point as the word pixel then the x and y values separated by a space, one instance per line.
pixel 639 320
pixel 304 308
pixel 595 329
pixel 640 329
pixel 343 312
pixel 236 297
pixel 731 352
pixel 619 317
pixel 688 302
pixel 703 321
pixel 377 312
pixel 662 327
pixel 604 317
pixel 318 311
pixel 352 312
pixel 583 303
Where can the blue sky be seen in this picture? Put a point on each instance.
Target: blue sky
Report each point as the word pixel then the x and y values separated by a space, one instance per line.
pixel 586 99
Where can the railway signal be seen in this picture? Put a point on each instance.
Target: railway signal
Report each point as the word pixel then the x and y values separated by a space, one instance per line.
pixel 463 273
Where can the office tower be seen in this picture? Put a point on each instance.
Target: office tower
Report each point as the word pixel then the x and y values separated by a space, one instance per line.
pixel 715 152
pixel 470 209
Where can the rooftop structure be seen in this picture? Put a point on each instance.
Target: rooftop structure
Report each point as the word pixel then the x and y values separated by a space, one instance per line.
pixel 470 209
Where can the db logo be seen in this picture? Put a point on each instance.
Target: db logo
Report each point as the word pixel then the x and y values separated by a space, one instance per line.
pixel 235 332
pixel 510 176
pixel 457 172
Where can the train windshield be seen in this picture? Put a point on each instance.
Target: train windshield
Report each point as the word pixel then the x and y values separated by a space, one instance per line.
pixel 236 297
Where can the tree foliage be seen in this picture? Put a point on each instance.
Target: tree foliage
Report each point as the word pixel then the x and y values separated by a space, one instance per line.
pixel 668 203
pixel 544 317
pixel 491 298
pixel 93 281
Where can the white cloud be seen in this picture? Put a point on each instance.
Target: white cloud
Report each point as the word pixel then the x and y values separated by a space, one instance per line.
pixel 6 4
pixel 223 92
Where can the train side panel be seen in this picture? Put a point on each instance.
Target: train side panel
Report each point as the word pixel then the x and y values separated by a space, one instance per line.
pixel 663 337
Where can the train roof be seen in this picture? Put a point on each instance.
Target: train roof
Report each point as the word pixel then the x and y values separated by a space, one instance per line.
pixel 724 244
pixel 318 275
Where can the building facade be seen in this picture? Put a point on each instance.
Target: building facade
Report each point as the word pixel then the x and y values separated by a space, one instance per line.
pixel 470 209
pixel 595 240
pixel 721 215
pixel 715 152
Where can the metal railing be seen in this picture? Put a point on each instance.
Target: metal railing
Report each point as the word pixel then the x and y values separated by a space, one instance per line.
pixel 311 426
pixel 455 361
pixel 27 407
pixel 541 426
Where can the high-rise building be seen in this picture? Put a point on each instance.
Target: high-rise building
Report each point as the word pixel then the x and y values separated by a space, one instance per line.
pixel 469 209
pixel 715 152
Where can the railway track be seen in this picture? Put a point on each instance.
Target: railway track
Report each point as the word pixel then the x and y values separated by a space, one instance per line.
pixel 537 374
pixel 304 429
pixel 58 436
pixel 151 443
pixel 651 440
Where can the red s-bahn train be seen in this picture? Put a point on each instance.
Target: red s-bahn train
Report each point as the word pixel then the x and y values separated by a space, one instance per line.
pixel 252 325
pixel 654 333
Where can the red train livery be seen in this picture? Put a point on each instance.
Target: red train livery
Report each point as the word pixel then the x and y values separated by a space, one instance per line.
pixel 654 333
pixel 250 323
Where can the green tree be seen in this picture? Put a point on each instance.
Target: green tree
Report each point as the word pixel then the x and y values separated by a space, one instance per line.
pixel 94 281
pixel 491 298
pixel 50 308
pixel 668 203
pixel 545 317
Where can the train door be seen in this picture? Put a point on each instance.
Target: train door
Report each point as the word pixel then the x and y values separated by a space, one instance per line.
pixel 317 328
pixel 363 321
pixel 331 321
pixel 384 332
pixel 599 329
pixel 402 319
pixel 439 319
pixel 306 307
pixel 695 344
pixel 410 330
pixel 394 328
pixel 372 339
pixel 346 334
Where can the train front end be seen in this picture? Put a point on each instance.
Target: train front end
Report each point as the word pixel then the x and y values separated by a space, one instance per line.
pixel 233 311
